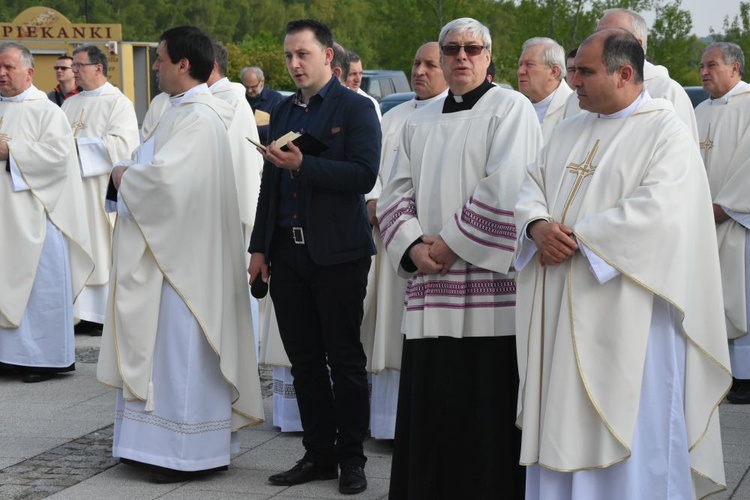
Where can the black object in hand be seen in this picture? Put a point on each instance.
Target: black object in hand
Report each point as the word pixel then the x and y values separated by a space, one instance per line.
pixel 258 288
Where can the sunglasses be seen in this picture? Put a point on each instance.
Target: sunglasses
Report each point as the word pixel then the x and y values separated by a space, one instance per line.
pixel 63 68
pixel 453 50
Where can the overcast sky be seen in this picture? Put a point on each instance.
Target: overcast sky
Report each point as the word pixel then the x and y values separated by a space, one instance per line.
pixel 706 13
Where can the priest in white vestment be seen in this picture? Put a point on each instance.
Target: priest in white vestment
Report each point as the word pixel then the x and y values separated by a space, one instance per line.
pixel 384 341
pixel 724 128
pixel 620 326
pixel 655 78
pixel 178 337
pixel 541 77
pixel 159 104
pixel 45 247
pixel 106 131
pixel 446 220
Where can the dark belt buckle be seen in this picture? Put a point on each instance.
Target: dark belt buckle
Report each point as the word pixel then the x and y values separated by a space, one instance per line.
pixel 298 236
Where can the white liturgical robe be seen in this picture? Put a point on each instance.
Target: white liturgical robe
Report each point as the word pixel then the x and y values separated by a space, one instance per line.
pixel 179 273
pixel 159 104
pixel 106 131
pixel 724 129
pixel 42 216
pixel 465 195
pixel 556 109
pixel 582 336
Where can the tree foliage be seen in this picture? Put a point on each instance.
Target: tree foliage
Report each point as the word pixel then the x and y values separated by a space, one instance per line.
pixel 387 33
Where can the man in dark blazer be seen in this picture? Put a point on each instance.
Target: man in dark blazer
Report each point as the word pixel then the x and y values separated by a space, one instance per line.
pixel 313 235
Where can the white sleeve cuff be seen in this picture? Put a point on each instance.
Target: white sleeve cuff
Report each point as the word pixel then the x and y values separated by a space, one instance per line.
pixel 18 183
pixel 599 268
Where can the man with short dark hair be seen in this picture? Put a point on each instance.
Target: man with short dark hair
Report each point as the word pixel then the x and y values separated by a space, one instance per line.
pixel 105 128
pixel 260 98
pixel 66 85
pixel 724 129
pixel 312 236
pixel 620 324
pixel 178 338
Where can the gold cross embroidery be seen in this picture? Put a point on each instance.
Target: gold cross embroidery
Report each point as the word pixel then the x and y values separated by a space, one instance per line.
pixel 707 145
pixel 581 170
pixel 79 125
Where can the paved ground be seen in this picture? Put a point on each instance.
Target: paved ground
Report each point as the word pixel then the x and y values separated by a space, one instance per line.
pixel 55 442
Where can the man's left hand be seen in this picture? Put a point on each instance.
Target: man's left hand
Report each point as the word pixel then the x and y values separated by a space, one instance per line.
pixel 719 214
pixel 288 160
pixel 4 151
pixel 441 253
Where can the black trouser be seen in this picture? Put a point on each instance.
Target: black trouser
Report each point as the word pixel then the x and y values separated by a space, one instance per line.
pixel 319 311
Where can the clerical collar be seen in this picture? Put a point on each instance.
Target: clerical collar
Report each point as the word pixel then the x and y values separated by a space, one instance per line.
pixel 542 106
pixel 18 98
pixel 201 88
pixel 467 101
pixel 421 103
pixel 642 99
pixel 725 98
pixel 218 84
pixel 95 92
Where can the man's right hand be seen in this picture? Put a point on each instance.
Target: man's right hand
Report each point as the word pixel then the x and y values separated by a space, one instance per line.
pixel 258 265
pixel 554 241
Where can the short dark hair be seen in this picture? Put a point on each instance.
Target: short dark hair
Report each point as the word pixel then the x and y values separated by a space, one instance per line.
pixel 221 57
pixel 571 54
pixel 621 48
pixel 322 32
pixel 65 56
pixel 189 42
pixel 96 56
pixel 340 59
pixel 491 69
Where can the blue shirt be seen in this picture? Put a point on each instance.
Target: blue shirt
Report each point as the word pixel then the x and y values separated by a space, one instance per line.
pixel 292 192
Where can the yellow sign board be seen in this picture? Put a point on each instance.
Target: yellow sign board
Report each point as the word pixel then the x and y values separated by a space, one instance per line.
pixel 42 23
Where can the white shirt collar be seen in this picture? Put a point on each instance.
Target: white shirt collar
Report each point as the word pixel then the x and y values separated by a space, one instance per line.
pixel 201 88
pixel 725 98
pixel 420 103
pixel 96 92
pixel 20 97
pixel 219 84
pixel 624 113
pixel 542 106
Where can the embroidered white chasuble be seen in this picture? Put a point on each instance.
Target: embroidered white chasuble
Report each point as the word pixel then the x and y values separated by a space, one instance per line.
pixel 466 195
pixel 42 149
pixel 184 229
pixel 724 130
pixel 105 126
pixel 645 211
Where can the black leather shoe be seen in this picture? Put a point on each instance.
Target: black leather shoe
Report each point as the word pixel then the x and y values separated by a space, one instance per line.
pixel 34 377
pixel 304 472
pixel 353 479
pixel 740 393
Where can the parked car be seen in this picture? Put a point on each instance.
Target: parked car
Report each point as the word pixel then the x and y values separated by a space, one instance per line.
pixel 380 83
pixel 390 101
pixel 696 94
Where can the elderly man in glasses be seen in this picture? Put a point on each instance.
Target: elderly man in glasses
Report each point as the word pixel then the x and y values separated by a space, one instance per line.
pixel 446 219
pixel 66 84
pixel 105 129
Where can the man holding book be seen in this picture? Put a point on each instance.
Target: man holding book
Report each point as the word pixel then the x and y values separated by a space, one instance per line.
pixel 312 234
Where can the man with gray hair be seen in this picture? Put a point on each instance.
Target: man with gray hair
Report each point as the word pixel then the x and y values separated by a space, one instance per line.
pixel 260 98
pixel 655 78
pixel 724 128
pixel 105 129
pixel 446 220
pixel 541 77
pixel 45 252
